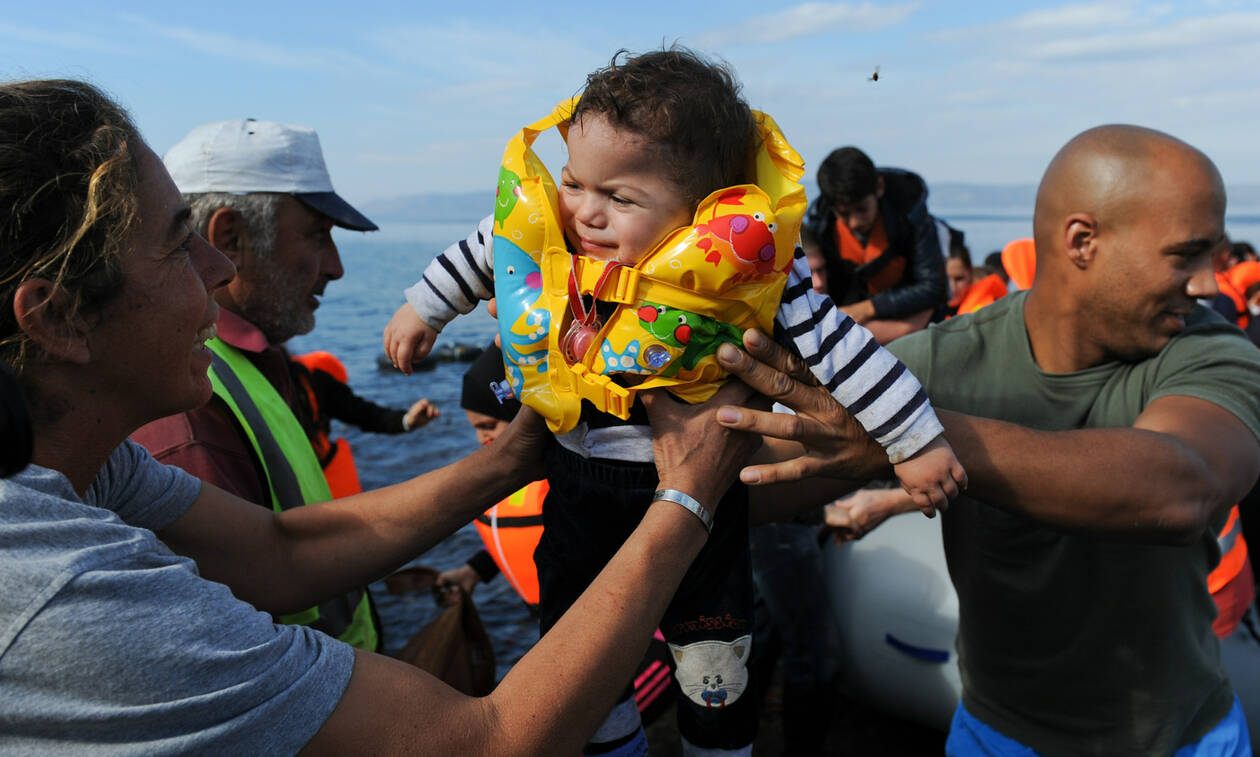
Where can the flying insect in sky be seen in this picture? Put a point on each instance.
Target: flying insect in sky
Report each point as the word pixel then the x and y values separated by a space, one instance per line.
pixel 874 76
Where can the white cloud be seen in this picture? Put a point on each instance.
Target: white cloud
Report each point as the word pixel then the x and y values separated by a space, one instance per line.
pixel 255 51
pixel 62 39
pixel 462 50
pixel 1180 35
pixel 809 19
pixel 1073 17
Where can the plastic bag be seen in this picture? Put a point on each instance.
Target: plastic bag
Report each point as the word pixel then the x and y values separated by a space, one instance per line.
pixel 454 647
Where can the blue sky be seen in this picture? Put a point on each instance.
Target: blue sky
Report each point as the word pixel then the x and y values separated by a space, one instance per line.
pixel 420 97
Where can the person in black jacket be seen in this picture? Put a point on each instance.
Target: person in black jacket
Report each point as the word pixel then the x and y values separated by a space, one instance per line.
pixel 885 265
pixel 324 397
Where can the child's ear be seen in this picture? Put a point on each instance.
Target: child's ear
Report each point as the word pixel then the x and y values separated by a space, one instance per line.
pixel 42 311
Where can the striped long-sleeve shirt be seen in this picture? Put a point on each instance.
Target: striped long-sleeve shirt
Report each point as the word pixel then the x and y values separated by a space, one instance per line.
pixel 863 376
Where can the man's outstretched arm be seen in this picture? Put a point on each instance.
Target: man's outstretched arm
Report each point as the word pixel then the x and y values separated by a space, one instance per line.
pixel 1164 479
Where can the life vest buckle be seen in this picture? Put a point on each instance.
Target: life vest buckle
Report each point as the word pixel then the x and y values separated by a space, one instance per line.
pixel 601 391
pixel 625 288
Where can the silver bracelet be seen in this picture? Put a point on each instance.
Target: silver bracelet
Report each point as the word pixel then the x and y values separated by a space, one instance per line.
pixel 689 502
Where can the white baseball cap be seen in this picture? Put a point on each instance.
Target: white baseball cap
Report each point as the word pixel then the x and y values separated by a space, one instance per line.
pixel 245 155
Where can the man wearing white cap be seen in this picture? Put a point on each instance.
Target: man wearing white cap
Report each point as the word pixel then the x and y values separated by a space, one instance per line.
pixel 260 192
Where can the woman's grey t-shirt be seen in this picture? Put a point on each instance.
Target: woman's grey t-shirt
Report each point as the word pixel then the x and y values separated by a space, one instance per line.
pixel 113 644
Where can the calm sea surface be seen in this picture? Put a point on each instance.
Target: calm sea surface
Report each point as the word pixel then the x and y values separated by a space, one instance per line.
pixel 354 312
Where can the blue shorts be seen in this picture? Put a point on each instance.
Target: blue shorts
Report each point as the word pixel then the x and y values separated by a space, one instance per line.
pixel 969 737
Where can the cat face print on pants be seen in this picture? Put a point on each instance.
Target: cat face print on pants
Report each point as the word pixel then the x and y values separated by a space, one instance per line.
pixel 712 674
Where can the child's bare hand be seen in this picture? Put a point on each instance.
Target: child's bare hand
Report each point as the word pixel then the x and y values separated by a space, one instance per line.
pixel 419 414
pixel 408 339
pixel 856 515
pixel 932 476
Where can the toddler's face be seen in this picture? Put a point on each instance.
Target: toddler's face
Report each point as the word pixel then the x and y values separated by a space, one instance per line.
pixel 616 199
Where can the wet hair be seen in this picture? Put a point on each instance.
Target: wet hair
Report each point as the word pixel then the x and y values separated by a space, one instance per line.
pixel 846 176
pixel 689 107
pixel 69 176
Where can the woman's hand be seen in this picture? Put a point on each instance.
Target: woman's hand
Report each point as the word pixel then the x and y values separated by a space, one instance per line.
pixel 835 445
pixel 521 445
pixel 693 453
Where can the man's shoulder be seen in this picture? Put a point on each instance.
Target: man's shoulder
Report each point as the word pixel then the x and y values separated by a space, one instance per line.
pixel 903 186
pixel 1212 360
pixel 209 443
pixel 899 174
pixel 211 423
pixel 1208 336
pixel 956 336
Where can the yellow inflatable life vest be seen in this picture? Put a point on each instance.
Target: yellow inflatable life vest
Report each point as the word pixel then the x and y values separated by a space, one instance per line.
pixel 702 285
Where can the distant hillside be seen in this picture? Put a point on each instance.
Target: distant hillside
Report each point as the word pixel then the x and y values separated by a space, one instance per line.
pixel 946 199
pixel 466 206
pixel 957 198
pixel 1244 199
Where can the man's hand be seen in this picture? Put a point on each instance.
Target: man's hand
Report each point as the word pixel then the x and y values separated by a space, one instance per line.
pixel 862 312
pixel 693 453
pixel 450 582
pixel 408 339
pixel 835 445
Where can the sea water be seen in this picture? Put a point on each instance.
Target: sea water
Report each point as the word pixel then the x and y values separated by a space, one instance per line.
pixel 349 324
pixel 350 321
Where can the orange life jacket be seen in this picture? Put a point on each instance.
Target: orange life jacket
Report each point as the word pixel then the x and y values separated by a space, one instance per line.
pixel 335 456
pixel 981 293
pixel 1231 582
pixel 511 530
pixel 1019 258
pixel 859 254
pixel 1243 275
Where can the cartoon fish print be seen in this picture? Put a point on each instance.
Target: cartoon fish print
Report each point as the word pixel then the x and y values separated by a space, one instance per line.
pixel 522 324
pixel 698 335
pixel 506 196
pixel 749 237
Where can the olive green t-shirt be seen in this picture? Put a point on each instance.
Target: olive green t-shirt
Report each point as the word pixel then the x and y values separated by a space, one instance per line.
pixel 1067 642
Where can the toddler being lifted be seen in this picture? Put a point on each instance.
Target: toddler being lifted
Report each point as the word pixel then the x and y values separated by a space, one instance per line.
pixel 650 139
